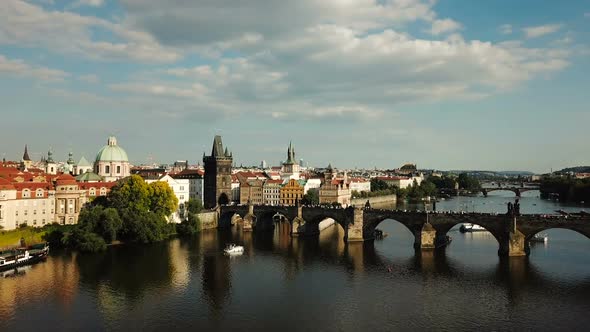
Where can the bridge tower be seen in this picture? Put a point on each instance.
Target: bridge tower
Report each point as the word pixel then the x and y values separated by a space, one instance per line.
pixel 217 182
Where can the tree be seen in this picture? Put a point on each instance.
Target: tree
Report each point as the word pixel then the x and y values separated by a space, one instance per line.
pixel 190 226
pixel 144 227
pixel 130 193
pixel 312 197
pixel 109 225
pixel 83 240
pixel 377 185
pixel 194 206
pixel 468 182
pixel 443 182
pixel 162 200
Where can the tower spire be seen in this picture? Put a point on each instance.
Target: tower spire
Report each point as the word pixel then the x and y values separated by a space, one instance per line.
pixel 26 154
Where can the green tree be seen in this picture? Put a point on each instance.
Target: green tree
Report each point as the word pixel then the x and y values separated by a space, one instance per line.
pixel 109 225
pixel 83 240
pixel 312 197
pixel 378 185
pixel 190 226
pixel 468 182
pixel 194 206
pixel 162 200
pixel 131 193
pixel 443 182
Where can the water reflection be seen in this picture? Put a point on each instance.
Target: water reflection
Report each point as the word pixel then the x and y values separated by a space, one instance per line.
pixel 315 283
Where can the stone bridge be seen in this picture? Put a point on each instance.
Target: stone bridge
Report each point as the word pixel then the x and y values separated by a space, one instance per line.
pixel 430 230
pixel 516 190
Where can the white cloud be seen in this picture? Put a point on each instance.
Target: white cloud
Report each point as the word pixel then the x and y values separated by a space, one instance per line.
pixel 339 59
pixel 27 25
pixel 541 30
pixel 90 78
pixel 587 15
pixel 444 26
pixel 20 68
pixel 90 3
pixel 506 29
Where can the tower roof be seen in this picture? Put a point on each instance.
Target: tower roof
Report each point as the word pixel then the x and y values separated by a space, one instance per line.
pixel 217 150
pixel 112 152
pixel 26 154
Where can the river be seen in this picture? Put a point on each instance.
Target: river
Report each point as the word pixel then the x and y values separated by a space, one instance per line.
pixel 311 284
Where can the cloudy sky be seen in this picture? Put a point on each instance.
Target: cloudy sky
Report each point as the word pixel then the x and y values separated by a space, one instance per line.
pixel 448 84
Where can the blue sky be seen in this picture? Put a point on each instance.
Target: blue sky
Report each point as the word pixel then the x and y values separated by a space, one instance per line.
pixel 498 85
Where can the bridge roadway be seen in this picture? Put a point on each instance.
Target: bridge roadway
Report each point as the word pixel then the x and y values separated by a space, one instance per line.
pixel 512 232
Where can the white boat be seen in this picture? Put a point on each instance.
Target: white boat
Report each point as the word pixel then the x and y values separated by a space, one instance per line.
pixel 468 228
pixel 233 249
pixel 540 238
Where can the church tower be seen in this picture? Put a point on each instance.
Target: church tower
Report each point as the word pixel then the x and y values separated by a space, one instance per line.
pixel 217 181
pixel 50 165
pixel 290 167
pixel 26 162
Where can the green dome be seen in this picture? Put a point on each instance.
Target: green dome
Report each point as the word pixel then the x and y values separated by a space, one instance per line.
pixel 112 152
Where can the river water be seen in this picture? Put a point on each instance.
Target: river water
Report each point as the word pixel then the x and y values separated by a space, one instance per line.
pixel 311 284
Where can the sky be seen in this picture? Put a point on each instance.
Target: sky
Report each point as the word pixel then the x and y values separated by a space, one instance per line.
pixel 448 84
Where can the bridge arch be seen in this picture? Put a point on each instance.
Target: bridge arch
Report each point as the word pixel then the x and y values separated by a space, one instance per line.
pixel 372 225
pixel 225 218
pixel 312 226
pixel 530 235
pixel 265 220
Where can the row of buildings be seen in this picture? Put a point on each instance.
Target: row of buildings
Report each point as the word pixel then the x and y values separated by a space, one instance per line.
pixel 37 194
pixel 44 192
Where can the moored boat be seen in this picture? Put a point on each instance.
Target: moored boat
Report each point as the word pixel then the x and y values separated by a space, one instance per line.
pixel 233 249
pixel 16 257
pixel 468 228
pixel 542 238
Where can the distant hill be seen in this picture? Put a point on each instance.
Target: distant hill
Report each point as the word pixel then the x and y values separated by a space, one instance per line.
pixel 494 173
pixel 516 173
pixel 577 169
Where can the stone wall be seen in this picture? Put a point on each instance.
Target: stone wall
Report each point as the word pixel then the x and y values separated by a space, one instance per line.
pixel 208 219
pixel 360 202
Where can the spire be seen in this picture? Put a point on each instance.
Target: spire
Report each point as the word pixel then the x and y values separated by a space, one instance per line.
pixel 217 150
pixel 49 156
pixel 26 154
pixel 71 158
pixel 226 153
pixel 290 154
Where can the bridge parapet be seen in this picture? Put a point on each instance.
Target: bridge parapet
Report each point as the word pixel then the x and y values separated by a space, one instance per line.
pixel 512 233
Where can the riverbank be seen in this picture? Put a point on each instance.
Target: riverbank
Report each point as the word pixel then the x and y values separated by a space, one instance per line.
pixel 12 238
pixel 360 202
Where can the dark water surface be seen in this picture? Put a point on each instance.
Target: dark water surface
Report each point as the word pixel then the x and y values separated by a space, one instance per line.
pixel 313 284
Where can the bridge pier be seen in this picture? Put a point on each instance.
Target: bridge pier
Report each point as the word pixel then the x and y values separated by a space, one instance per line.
pixel 354 230
pixel 514 244
pixel 249 219
pixel 425 238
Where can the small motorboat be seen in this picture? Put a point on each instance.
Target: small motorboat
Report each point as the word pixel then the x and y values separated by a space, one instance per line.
pixel 542 238
pixel 468 228
pixel 233 249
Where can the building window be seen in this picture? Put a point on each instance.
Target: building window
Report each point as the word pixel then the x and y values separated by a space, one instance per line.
pixel 118 169
pixel 26 193
pixel 107 169
pixel 39 193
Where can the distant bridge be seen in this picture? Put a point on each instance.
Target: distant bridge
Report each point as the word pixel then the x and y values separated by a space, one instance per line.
pixel 512 232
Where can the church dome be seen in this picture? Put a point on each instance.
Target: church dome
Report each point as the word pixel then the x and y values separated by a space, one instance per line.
pixel 112 152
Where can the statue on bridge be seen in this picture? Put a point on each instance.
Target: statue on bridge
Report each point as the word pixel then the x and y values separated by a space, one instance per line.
pixel 367 205
pixel 514 209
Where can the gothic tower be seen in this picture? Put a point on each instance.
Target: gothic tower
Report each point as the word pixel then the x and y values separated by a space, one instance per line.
pixel 217 180
pixel 26 162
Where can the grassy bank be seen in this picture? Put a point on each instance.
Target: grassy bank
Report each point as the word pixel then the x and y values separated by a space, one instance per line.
pixel 12 238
